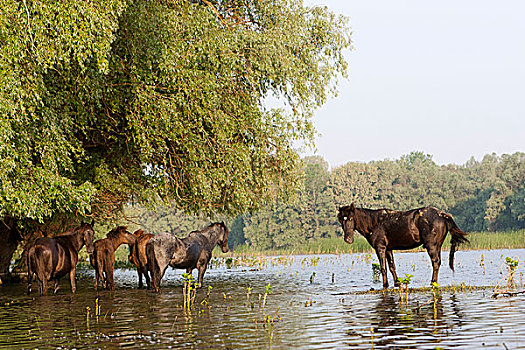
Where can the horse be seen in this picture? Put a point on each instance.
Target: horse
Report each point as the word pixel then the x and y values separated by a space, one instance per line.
pixel 387 230
pixel 193 251
pixel 103 258
pixel 137 256
pixel 50 258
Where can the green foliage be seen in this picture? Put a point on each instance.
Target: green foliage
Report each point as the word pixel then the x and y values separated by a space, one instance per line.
pixel 511 264
pixel 309 223
pixel 405 280
pixel 106 101
pixel 486 195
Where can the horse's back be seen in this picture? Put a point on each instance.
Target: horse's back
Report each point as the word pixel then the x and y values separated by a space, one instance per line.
pixel 160 248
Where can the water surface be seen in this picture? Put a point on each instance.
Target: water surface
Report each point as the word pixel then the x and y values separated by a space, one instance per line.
pixel 331 309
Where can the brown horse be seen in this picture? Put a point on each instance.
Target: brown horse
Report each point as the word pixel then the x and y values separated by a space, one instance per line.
pixel 137 256
pixel 193 251
pixel 387 230
pixel 103 258
pixel 52 258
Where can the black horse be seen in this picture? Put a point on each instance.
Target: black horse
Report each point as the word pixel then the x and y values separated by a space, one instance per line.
pixel 387 230
pixel 193 251
pixel 52 258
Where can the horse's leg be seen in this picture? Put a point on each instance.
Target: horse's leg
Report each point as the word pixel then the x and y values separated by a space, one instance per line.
pixel 392 266
pixel 97 276
pixel 146 274
pixel 72 275
pixel 29 272
pixel 104 280
pixel 29 282
pixel 41 287
pixel 109 273
pixel 139 272
pixel 381 255
pixel 100 275
pixel 435 256
pixel 202 269
pixel 44 286
pixel 55 290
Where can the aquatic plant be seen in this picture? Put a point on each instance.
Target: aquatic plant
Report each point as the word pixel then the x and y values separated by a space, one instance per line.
pixel 189 291
pixel 87 314
pixel 511 268
pixel 266 293
pixel 229 262
pixel 435 290
pixel 509 289
pixel 406 282
pixel 376 271
pixel 248 293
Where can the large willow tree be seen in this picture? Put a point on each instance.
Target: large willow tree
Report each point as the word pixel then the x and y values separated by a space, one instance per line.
pixel 107 101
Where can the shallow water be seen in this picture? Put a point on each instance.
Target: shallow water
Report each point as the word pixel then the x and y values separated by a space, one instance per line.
pixel 328 310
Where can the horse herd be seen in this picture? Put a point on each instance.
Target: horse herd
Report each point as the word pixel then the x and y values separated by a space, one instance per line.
pixel 51 258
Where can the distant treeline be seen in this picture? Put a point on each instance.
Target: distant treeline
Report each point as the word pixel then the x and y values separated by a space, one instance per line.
pixel 486 195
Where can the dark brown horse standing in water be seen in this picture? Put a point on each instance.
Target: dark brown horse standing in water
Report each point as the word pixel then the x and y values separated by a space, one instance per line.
pixel 137 255
pixel 387 230
pixel 193 251
pixel 51 258
pixel 103 259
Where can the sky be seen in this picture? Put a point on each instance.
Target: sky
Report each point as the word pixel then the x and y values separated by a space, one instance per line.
pixel 443 77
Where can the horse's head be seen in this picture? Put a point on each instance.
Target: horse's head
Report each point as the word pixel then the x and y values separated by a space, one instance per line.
pixel 139 232
pixel 88 235
pixel 120 234
pixel 346 217
pixel 222 240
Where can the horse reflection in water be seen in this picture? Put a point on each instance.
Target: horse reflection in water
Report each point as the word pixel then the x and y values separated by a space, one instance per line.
pixel 396 322
pixel 193 251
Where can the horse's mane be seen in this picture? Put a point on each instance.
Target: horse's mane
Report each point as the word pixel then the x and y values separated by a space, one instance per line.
pixel 222 224
pixel 364 218
pixel 139 232
pixel 209 228
pixel 113 234
pixel 72 230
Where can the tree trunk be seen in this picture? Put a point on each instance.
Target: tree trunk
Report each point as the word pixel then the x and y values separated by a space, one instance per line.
pixel 9 238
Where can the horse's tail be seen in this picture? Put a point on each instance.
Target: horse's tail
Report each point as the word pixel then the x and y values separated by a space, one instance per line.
pixel 109 266
pixel 458 237
pixel 37 259
pixel 153 266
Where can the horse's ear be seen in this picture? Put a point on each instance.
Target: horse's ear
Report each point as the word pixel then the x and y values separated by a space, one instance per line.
pixel 352 207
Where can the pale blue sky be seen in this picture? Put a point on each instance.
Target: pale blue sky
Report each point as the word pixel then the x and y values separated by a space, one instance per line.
pixel 443 77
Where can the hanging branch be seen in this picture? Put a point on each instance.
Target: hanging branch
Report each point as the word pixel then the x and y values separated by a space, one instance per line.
pixel 214 10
